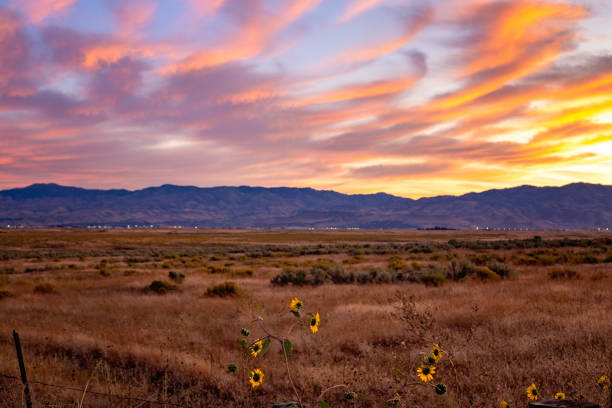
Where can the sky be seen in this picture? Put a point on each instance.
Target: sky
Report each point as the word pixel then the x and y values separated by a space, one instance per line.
pixel 410 97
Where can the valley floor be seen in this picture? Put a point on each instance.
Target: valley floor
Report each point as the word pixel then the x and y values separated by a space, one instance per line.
pixel 77 298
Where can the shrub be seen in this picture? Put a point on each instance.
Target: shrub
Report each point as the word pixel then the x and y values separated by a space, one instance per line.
pixel 375 275
pixel 218 269
pixel 438 256
pixel 502 269
pixel 599 275
pixel 242 272
pixel 353 260
pixel 461 269
pixel 484 273
pixel 484 258
pixel 45 288
pixel 291 276
pixel 340 275
pixel 545 259
pixel 564 273
pixel 178 277
pixel 320 272
pixel 317 276
pixel 396 263
pixel 160 287
pixel 104 272
pixel 585 257
pixel 433 277
pixel 223 289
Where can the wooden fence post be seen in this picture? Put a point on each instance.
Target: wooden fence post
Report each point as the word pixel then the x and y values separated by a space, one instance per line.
pixel 24 377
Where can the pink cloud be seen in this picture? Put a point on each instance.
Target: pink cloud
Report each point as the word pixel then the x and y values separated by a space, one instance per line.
pixel 205 7
pixel 413 21
pixel 15 54
pixel 134 14
pixel 38 10
pixel 357 7
pixel 256 31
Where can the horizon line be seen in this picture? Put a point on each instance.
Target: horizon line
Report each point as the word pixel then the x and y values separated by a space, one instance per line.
pixel 305 188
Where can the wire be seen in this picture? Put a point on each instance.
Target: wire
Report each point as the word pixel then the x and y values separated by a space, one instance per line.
pixel 96 393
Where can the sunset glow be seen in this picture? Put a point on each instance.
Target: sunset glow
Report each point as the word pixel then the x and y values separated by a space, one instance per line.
pixel 410 97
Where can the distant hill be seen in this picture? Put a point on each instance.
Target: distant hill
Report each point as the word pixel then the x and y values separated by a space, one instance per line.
pixel 574 206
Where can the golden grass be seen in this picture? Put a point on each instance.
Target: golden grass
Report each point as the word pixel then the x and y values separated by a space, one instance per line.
pixel 502 335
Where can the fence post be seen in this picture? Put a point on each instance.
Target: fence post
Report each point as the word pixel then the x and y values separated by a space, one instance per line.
pixel 24 378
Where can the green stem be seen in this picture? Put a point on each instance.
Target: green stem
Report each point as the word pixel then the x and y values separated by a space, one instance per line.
pixel 325 391
pixel 282 343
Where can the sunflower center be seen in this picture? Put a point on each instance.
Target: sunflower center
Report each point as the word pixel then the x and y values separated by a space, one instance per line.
pixel 426 370
pixel 534 391
pixel 436 353
pixel 255 377
pixel 256 347
pixel 313 322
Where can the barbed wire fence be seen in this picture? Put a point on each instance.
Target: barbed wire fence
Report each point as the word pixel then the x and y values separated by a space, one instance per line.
pixel 27 394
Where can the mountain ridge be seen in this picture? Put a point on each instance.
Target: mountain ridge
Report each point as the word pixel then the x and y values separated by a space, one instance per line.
pixel 573 206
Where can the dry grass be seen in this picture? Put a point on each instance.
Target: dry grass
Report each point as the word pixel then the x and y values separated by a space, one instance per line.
pixel 103 328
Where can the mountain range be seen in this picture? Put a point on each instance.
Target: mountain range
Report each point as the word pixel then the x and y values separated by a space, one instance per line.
pixel 577 206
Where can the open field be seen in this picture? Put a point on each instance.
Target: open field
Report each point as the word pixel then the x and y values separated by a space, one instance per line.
pixel 508 309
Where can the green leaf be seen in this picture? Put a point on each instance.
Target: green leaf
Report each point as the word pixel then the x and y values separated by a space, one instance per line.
pixel 285 405
pixel 287 347
pixel 295 313
pixel 323 404
pixel 243 343
pixel 350 395
pixel 264 346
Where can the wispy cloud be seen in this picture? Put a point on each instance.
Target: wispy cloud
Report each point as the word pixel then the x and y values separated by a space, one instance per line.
pixel 357 7
pixel 414 98
pixel 38 10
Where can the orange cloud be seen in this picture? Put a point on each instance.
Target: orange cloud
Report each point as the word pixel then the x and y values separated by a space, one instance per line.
pixel 516 28
pixel 97 54
pixel 105 53
pixel 518 39
pixel 353 92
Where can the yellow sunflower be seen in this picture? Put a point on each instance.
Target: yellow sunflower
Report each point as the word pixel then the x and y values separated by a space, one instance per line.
pixel 560 396
pixel 436 352
pixel 296 304
pixel 604 382
pixel 256 348
pixel 504 404
pixel 256 378
pixel 314 323
pixel 532 392
pixel 425 373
